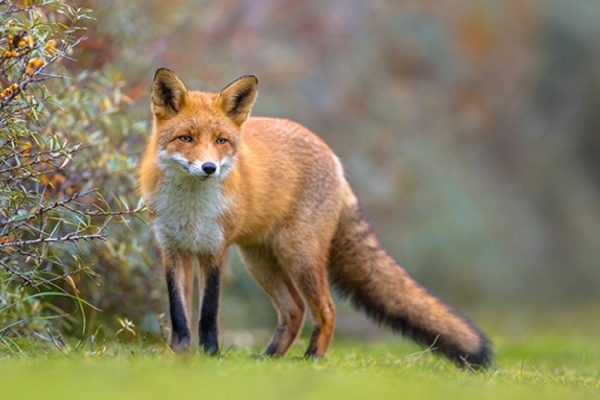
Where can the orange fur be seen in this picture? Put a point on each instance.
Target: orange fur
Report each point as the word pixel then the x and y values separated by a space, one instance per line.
pixel 278 193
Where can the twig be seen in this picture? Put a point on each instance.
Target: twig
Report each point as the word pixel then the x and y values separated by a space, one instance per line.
pixel 467 364
pixel 42 210
pixel 32 78
pixel 12 9
pixel 53 339
pixel 99 213
pixel 26 280
pixel 427 350
pixel 56 278
pixel 38 157
pixel 69 237
pixel 24 177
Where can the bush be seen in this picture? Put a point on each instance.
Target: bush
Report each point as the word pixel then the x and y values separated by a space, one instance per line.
pixel 56 203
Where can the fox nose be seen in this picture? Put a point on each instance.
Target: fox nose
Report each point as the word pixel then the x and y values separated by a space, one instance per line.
pixel 209 168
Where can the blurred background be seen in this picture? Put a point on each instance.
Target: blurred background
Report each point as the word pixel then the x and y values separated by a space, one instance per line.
pixel 470 131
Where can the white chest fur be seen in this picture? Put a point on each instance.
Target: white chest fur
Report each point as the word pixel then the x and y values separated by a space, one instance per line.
pixel 186 215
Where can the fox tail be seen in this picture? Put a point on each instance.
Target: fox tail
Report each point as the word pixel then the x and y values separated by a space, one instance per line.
pixel 361 270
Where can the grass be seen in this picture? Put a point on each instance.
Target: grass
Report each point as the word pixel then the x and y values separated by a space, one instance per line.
pixel 548 366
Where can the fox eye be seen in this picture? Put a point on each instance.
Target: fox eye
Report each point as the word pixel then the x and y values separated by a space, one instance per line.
pixel 221 140
pixel 185 138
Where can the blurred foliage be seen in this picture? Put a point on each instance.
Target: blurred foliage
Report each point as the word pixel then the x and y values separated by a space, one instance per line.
pixel 469 131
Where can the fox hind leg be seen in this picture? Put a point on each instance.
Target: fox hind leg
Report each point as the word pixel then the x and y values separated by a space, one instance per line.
pixel 314 285
pixel 306 262
pixel 266 270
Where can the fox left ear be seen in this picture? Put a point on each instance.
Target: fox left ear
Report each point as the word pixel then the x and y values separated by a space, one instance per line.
pixel 236 100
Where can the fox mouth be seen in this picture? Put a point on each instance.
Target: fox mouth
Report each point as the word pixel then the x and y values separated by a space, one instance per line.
pixel 195 173
pixel 191 170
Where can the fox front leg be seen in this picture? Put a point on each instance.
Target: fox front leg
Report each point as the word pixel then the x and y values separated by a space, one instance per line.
pixel 210 291
pixel 180 282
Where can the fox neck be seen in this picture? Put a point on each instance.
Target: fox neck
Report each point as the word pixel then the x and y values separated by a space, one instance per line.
pixel 188 210
pixel 187 214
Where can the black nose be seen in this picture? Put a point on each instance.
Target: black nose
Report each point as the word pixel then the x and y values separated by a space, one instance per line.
pixel 209 168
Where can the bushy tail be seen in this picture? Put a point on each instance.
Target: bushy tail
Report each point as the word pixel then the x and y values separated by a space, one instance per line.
pixel 361 270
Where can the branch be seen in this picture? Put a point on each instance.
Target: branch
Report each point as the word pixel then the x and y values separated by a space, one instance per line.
pixel 99 213
pixel 24 278
pixel 69 237
pixel 12 9
pixel 32 78
pixel 38 157
pixel 24 177
pixel 57 204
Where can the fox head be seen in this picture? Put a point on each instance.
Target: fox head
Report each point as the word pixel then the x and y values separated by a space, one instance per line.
pixel 197 133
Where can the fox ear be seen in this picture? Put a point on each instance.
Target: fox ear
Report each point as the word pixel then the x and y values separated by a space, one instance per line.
pixel 236 100
pixel 168 93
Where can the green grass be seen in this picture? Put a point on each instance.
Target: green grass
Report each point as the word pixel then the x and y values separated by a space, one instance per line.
pixel 540 367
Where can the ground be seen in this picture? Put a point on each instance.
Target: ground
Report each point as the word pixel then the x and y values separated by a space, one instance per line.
pixel 546 366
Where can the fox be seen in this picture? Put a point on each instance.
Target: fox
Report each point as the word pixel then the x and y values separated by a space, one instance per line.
pixel 212 176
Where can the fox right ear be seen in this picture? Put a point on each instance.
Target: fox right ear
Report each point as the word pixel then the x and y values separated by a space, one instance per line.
pixel 168 93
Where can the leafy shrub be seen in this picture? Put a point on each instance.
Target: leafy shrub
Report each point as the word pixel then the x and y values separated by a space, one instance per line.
pixel 56 199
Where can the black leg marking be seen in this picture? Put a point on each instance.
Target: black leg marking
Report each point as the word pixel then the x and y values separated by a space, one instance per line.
pixel 180 336
pixel 311 351
pixel 209 332
pixel 271 349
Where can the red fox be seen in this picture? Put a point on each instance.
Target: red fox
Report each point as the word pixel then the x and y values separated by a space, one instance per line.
pixel 212 177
